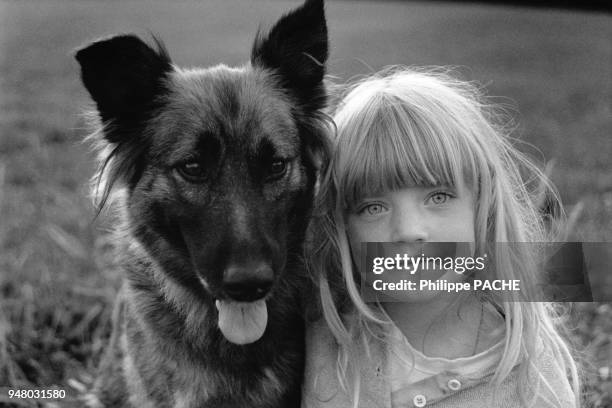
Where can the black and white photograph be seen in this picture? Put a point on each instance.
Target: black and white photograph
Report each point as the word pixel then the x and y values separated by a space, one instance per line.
pixel 305 204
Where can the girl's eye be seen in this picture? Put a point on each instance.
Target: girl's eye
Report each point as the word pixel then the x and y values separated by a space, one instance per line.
pixel 372 209
pixel 439 197
pixel 192 171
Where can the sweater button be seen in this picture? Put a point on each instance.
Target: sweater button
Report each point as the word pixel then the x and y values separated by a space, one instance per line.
pixel 454 384
pixel 419 401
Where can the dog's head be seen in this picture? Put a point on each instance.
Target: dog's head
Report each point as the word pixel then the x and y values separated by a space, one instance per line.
pixel 219 164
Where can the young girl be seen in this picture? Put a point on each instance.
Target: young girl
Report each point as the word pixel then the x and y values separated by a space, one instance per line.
pixel 419 158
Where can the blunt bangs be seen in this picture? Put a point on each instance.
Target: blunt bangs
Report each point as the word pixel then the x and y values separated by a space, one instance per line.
pixel 385 143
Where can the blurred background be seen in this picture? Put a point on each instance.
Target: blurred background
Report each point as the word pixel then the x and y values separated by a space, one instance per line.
pixel 552 68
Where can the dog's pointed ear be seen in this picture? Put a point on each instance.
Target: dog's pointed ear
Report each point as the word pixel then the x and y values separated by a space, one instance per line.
pixel 123 75
pixel 296 48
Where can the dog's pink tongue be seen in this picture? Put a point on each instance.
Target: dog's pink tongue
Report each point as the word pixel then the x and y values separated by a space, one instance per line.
pixel 241 322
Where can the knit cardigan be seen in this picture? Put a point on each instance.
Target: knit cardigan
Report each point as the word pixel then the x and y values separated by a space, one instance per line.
pixel 322 387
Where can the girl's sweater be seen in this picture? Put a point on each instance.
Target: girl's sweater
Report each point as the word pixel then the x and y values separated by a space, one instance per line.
pixel 444 383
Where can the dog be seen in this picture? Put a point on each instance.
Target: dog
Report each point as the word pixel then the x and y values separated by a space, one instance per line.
pixel 214 172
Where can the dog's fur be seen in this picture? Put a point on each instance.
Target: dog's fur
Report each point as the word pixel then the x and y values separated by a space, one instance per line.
pixel 213 169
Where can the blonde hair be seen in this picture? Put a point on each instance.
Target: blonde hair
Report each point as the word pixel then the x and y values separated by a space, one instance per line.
pixel 406 126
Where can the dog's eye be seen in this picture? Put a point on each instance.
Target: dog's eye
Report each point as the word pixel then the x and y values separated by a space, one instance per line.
pixel 191 171
pixel 277 169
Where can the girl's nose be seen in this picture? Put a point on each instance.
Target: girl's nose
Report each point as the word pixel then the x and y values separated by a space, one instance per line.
pixel 409 226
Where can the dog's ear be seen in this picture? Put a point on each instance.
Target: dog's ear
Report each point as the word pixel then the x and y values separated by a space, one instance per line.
pixel 123 75
pixel 296 48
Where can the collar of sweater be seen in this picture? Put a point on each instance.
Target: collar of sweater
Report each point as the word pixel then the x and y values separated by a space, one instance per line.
pixel 416 379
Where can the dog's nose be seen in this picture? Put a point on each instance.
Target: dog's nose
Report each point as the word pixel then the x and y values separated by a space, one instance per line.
pixel 247 283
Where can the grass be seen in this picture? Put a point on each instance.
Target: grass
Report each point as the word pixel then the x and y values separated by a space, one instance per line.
pixel 57 276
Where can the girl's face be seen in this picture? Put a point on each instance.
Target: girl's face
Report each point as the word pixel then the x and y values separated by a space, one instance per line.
pixel 413 215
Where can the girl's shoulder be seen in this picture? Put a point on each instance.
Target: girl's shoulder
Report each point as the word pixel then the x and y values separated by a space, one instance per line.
pixel 322 387
pixel 321 346
pixel 548 379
